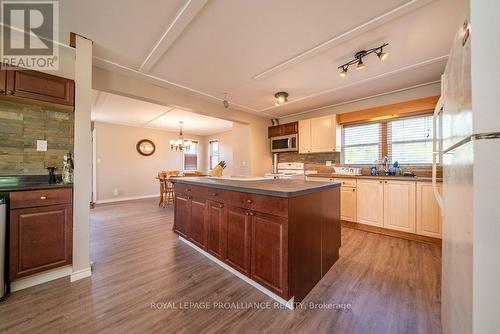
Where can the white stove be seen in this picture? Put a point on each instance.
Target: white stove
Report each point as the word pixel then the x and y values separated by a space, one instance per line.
pixel 288 170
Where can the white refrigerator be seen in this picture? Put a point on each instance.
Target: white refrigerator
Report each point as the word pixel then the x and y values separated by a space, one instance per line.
pixel 467 118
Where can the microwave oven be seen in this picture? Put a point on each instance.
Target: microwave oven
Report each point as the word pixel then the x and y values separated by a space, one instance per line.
pixel 287 143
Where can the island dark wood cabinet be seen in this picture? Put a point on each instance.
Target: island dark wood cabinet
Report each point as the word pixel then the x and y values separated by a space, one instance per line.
pixel 41 231
pixel 285 244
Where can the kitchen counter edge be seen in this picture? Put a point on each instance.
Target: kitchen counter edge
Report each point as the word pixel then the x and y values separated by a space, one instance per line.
pixel 369 177
pixel 260 189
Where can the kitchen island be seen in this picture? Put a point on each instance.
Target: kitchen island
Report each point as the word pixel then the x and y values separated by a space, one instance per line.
pixel 282 236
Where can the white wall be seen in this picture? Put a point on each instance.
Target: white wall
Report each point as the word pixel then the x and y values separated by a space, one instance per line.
pixel 225 150
pixel 121 167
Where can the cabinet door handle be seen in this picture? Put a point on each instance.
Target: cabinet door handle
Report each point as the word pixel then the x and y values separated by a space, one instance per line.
pixel 188 189
pixel 251 213
pixel 190 197
pixel 43 197
pixel 249 201
pixel 214 194
pixel 247 213
pixel 385 181
pixel 380 181
pixel 353 189
pixel 221 206
pixel 11 92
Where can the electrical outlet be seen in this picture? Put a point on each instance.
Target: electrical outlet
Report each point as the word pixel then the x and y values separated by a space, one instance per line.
pixel 115 192
pixel 328 163
pixel 41 145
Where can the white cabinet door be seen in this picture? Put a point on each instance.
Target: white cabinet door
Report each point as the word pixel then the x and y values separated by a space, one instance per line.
pixel 348 204
pixel 399 205
pixel 428 214
pixel 323 133
pixel 370 202
pixel 305 136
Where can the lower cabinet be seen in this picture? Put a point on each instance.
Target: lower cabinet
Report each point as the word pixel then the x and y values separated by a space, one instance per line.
pixel 370 202
pixel 239 229
pixel 269 251
pixel 399 206
pixel 252 242
pixel 348 199
pixel 428 213
pixel 40 239
pixel 197 223
pixel 182 214
pixel 216 229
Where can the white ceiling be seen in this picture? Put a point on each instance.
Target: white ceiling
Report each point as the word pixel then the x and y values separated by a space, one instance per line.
pixel 111 108
pixel 252 49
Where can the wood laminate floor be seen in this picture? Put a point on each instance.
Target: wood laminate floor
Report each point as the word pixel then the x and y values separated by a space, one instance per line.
pixel 386 284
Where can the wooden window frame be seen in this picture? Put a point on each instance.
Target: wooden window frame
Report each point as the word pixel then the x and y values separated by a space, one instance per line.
pixel 210 153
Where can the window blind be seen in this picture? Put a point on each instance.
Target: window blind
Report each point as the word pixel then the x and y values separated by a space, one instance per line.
pixel 191 156
pixel 361 144
pixel 410 140
pixel 214 153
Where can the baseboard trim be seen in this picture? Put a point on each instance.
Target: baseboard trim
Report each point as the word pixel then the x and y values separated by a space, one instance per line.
pixel 122 199
pixel 391 233
pixel 40 278
pixel 288 304
pixel 80 274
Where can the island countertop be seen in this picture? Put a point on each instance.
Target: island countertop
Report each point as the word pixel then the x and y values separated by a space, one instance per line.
pixel 272 187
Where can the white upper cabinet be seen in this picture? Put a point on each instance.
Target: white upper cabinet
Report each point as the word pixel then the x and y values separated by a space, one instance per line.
pixel 318 134
pixel 305 136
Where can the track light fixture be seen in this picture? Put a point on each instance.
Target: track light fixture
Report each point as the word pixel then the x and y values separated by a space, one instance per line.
pixel 358 59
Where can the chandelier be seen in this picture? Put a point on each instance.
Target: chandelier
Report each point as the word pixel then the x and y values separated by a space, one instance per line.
pixel 180 144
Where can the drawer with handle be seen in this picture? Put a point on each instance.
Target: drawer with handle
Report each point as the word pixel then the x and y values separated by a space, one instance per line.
pixel 44 197
pixel 277 206
pixel 346 182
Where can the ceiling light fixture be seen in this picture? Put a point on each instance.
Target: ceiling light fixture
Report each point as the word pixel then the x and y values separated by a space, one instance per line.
pixel 180 144
pixel 281 98
pixel 358 58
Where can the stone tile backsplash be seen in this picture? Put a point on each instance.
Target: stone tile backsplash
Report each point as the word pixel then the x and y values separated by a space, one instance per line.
pixel 314 161
pixel 21 125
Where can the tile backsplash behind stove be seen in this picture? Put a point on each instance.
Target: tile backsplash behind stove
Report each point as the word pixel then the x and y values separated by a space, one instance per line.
pixel 315 161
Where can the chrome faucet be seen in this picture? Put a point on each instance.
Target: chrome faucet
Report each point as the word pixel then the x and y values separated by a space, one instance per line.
pixel 384 165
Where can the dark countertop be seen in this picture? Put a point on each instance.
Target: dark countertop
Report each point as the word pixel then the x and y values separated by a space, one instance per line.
pixel 29 182
pixel 271 187
pixel 398 178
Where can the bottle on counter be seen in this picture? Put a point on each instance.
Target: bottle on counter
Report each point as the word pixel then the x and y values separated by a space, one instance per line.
pixel 373 169
pixel 68 167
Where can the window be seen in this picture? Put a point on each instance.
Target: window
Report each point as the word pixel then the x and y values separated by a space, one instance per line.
pixel 361 143
pixel 214 153
pixel 191 156
pixel 410 140
pixel 406 140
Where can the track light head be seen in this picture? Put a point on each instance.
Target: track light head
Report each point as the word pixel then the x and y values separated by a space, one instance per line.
pixel 381 55
pixel 343 71
pixel 360 65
